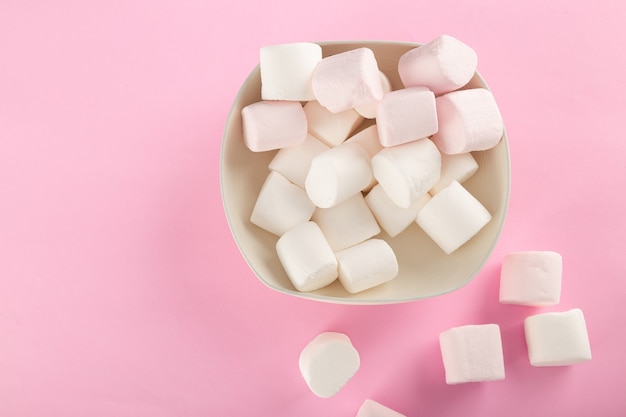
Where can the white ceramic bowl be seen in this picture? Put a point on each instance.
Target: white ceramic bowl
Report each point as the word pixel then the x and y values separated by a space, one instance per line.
pixel 425 270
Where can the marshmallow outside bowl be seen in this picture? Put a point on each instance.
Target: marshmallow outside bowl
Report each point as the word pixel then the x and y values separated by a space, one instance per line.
pixel 424 269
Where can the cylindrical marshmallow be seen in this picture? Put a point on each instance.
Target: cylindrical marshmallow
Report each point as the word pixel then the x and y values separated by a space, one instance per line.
pixel 557 338
pixel 347 80
pixel 406 115
pixel 287 71
pixel 307 257
pixel 368 139
pixel 443 65
pixel 269 125
pixel 371 408
pixel 531 278
pixel 452 217
pixel 369 111
pixel 330 128
pixel 293 162
pixel 392 218
pixel 328 362
pixel 459 167
pixel 337 174
pixel 347 223
pixel 406 172
pixel 366 265
pixel 469 120
pixel 281 205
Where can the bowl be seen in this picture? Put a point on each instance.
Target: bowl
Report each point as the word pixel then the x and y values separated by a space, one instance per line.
pixel 424 269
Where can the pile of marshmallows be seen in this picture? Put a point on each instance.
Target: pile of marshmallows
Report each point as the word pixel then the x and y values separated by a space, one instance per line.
pixel 333 184
pixel 473 353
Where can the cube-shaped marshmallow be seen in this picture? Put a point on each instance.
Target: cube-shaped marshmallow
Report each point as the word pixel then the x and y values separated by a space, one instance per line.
pixel 269 125
pixel 330 128
pixel 531 278
pixel 371 408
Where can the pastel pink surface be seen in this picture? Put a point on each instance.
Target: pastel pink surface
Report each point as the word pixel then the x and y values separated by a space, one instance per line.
pixel 122 292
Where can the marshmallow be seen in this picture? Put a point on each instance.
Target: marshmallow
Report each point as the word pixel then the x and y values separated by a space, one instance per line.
pixel 287 70
pixel 269 125
pixel 472 353
pixel 459 167
pixel 281 205
pixel 294 162
pixel 347 80
pixel 392 218
pixel 371 408
pixel 330 128
pixel 443 65
pixel 307 257
pixel 469 120
pixel 557 338
pixel 337 174
pixel 531 278
pixel 406 172
pixel 347 224
pixel 366 265
pixel 452 217
pixel 406 115
pixel 328 362
pixel 369 111
pixel 368 139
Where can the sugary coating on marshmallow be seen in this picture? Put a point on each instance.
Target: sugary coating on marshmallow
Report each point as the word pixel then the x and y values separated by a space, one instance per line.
pixel 452 217
pixel 293 162
pixel 328 362
pixel 287 71
pixel 469 120
pixel 330 128
pixel 347 223
pixel 557 338
pixel 269 125
pixel 281 205
pixel 337 174
pixel 392 218
pixel 366 265
pixel 406 172
pixel 348 80
pixel 443 65
pixel 406 115
pixel 472 353
pixel 369 111
pixel 307 257
pixel 459 167
pixel 371 408
pixel 368 139
pixel 531 278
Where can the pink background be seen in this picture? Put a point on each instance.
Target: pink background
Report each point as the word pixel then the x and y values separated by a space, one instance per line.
pixel 122 292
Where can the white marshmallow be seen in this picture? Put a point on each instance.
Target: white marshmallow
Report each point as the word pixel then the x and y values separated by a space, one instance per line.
pixel 531 278
pixel 443 65
pixel 406 115
pixel 366 265
pixel 294 162
pixel 281 205
pixel 452 217
pixel 469 120
pixel 557 338
pixel 347 223
pixel 269 125
pixel 337 174
pixel 330 128
pixel 307 257
pixel 369 111
pixel 392 218
pixel 347 80
pixel 472 353
pixel 287 71
pixel 368 139
pixel 371 408
pixel 406 172
pixel 459 167
pixel 328 362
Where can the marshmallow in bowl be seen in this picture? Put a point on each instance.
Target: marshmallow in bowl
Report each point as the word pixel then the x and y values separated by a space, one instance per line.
pixel 371 408
pixel 368 139
pixel 369 111
pixel 406 115
pixel 452 217
pixel 330 128
pixel 287 69
pixel 392 218
pixel 469 120
pixel 269 125
pixel 348 80
pixel 531 278
pixel 459 167
pixel 366 265
pixel 444 64
pixel 307 257
pixel 294 162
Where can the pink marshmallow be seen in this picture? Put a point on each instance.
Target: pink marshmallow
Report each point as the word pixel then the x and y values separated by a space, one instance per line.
pixel 269 125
